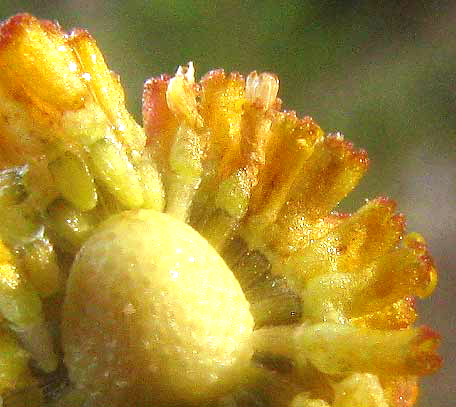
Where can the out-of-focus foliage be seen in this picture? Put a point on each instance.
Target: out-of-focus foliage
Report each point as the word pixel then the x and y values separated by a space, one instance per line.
pixel 383 73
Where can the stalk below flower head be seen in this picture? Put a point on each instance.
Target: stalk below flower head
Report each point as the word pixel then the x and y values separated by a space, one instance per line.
pixel 329 309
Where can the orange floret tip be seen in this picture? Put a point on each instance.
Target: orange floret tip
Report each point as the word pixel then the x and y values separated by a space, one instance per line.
pixel 214 75
pixel 346 149
pixel 25 43
pixel 336 217
pixel 399 221
pixel 417 243
pixel 424 358
pixel 401 273
pixel 427 334
pixel 387 202
pixel 411 301
pixel 156 114
pixel 217 75
pixel 332 171
pixel 309 125
pixel 289 115
pixel 428 274
pixel 10 29
pixel 79 34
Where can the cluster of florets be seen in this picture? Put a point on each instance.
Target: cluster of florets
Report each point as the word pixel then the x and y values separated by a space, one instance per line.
pixel 332 295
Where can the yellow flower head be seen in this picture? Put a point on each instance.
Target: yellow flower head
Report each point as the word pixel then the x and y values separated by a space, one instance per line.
pixel 250 289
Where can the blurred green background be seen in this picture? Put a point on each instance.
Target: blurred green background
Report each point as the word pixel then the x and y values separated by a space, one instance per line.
pixel 383 73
